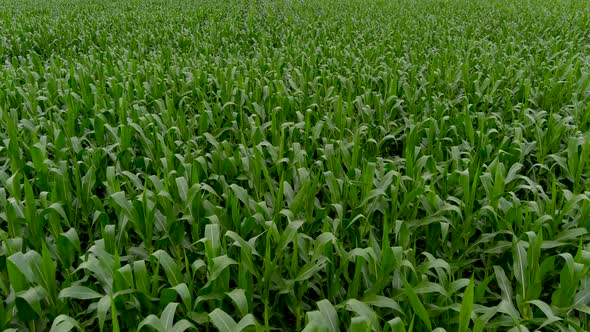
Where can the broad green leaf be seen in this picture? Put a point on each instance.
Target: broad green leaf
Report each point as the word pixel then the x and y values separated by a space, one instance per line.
pixel 19 271
pixel 182 325
pixel 238 296
pixel 311 269
pixel 182 186
pixel 466 307
pixel 246 321
pixel 120 199
pixel 153 322
pixel 171 267
pixel 359 308
pixel 212 233
pixel 383 302
pixel 360 324
pixel 503 283
pixel 546 309
pixel 223 321
pixel 101 310
pixel 184 293
pixel 395 325
pixel 168 314
pixel 417 305
pixel 315 321
pixel 330 315
pixel 220 264
pixel 64 323
pixel 521 267
pixel 29 303
pixel 79 293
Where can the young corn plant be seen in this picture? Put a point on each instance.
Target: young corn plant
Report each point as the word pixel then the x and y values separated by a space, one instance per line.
pixel 294 165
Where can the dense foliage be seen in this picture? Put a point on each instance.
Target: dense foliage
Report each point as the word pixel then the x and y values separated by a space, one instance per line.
pixel 327 165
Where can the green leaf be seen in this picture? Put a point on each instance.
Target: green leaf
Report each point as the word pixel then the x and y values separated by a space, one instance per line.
pixel 213 234
pixel 241 194
pixel 171 267
pixel 168 314
pixel 330 315
pixel 360 324
pixel 79 293
pixel 219 265
pixel 223 321
pixel 101 310
pixel 141 277
pixel 582 298
pixel 519 328
pixel 503 283
pixel 383 302
pixel 19 271
pixel 153 322
pixel 417 305
pixel 184 293
pixel 64 323
pixel 238 296
pixel 311 269
pixel 28 303
pixel 315 322
pixel 466 307
pixel 246 321
pixel 182 325
pixel 395 325
pixel 360 308
pixel 546 309
pixel 122 201
pixel 521 267
pixel 182 186
pixel 68 244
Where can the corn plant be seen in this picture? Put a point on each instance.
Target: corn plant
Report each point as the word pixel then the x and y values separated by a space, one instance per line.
pixel 315 165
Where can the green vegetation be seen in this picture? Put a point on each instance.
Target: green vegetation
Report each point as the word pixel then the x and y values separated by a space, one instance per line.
pixel 327 165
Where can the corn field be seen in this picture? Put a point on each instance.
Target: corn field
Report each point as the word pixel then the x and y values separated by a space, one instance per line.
pixel 295 165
